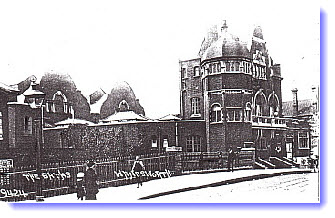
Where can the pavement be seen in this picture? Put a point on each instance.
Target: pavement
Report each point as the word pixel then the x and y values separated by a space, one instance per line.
pixel 152 190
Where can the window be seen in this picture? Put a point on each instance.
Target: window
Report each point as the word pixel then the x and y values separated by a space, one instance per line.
pixel 237 66
pixel 247 115
pixel 274 105
pixel 59 103
pixel 262 143
pixel 28 123
pixel 215 115
pixel 165 142
pixel 261 140
pixel 183 72
pixel 303 140
pixel 227 66
pixel 196 71
pixel 1 129
pixel 154 142
pixel 183 85
pixel 195 106
pixel 193 144
pixel 234 115
pixel 123 106
pixel 213 66
pixel 218 66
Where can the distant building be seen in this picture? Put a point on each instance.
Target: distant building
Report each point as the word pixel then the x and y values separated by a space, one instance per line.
pixel 303 129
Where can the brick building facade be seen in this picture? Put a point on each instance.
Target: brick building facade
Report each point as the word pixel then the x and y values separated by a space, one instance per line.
pixel 236 91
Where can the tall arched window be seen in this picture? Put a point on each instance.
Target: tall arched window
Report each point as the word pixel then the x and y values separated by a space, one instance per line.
pixel 59 103
pixel 260 103
pixel 274 105
pixel 215 114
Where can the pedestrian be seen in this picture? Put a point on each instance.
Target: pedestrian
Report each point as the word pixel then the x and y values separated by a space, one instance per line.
pixel 91 182
pixel 231 157
pixel 80 186
pixel 138 166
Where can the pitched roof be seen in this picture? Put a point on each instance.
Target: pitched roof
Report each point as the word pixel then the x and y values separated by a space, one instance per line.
pixel 96 106
pixel 305 107
pixel 124 116
pixel 169 117
pixel 7 88
pixel 73 121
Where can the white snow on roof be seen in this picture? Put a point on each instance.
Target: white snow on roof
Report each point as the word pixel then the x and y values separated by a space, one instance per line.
pixel 124 116
pixel 169 117
pixel 31 91
pixel 7 88
pixel 73 121
pixel 95 108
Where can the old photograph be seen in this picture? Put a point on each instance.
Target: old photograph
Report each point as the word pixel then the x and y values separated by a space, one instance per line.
pixel 160 102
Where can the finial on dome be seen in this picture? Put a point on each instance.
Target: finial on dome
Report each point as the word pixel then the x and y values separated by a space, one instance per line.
pixel 224 26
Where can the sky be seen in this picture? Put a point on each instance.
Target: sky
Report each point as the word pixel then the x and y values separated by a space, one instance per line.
pixel 99 43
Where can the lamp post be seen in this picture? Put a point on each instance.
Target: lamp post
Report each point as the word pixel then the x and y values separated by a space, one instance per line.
pixel 36 100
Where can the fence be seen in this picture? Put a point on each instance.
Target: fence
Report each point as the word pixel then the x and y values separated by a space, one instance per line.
pixel 60 178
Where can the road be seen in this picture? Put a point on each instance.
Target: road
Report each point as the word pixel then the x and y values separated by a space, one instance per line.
pixel 281 185
pixel 293 188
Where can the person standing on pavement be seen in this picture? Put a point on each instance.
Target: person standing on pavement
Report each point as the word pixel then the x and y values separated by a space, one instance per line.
pixel 231 157
pixel 91 182
pixel 138 166
pixel 80 186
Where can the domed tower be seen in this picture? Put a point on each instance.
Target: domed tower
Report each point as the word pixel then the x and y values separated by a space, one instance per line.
pixel 232 88
pixel 227 90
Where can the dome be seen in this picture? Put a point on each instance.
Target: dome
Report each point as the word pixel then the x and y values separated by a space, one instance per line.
pixel 228 46
pixel 121 98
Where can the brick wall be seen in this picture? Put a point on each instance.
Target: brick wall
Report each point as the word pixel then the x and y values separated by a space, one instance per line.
pixel 84 142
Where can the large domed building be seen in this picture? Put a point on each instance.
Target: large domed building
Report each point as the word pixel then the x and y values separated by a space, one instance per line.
pixel 120 99
pixel 236 90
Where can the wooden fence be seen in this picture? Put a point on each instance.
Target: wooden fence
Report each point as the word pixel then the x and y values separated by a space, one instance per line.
pixel 60 178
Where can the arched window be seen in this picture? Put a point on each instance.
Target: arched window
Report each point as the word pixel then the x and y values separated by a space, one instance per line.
pixel 247 112
pixel 274 105
pixel 59 103
pixel 215 114
pixel 259 104
pixel 123 105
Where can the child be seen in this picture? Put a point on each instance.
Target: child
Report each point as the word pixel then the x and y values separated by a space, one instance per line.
pixel 80 186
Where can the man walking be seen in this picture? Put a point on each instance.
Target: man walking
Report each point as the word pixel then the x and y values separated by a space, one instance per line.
pixel 231 157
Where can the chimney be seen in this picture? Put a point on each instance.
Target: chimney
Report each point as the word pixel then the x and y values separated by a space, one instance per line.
pixel 295 101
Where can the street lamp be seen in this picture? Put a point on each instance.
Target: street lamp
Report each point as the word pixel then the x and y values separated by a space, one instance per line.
pixel 36 100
